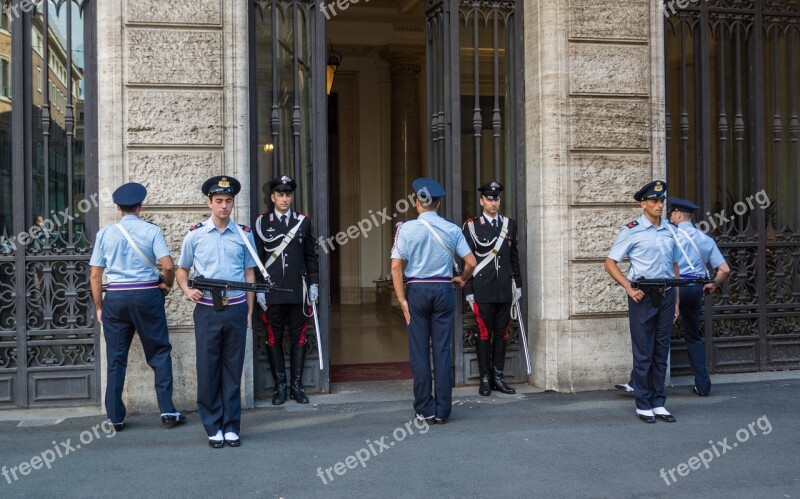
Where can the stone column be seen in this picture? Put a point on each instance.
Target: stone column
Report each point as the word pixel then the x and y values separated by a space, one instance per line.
pixel 406 134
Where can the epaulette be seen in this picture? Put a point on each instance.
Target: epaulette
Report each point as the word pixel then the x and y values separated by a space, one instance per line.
pixel 196 226
pixel 245 228
pixel 300 213
pixel 632 224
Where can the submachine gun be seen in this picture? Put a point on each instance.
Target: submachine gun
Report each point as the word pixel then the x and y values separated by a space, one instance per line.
pixel 218 286
pixel 657 287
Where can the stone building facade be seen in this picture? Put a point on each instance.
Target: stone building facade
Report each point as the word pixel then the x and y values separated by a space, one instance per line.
pixel 173 99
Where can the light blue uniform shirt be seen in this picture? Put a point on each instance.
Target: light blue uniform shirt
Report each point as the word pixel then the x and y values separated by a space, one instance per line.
pixel 651 250
pixel 217 255
pixel 709 253
pixel 122 263
pixel 425 256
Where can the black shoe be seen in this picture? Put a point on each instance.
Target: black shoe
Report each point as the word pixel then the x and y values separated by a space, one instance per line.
pixel 667 418
pixel 216 444
pixel 430 419
pixel 486 387
pixel 171 420
pixel 647 419
pixel 233 443
pixel 697 392
pixel 499 384
pixel 118 426
pixel 296 392
pixel 440 421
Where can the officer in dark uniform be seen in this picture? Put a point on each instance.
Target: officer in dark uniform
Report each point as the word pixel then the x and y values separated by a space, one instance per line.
pixel 217 249
pixel 428 245
pixel 134 301
pixel 287 247
pixel 494 286
pixel 653 254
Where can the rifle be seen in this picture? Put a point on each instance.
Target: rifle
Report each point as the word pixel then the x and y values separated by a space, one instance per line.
pixel 656 287
pixel 217 286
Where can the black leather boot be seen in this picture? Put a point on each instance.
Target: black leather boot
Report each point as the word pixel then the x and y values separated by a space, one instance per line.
pixel 498 361
pixel 297 362
pixel 482 350
pixel 277 366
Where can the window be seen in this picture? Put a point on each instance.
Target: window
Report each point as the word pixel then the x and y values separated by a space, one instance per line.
pixel 5 78
pixel 39 79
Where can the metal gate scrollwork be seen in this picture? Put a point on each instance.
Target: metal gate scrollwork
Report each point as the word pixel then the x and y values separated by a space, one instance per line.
pixel 48 172
pixel 732 129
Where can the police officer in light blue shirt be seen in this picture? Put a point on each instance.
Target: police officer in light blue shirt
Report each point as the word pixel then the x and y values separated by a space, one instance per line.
pixel 428 246
pixel 134 301
pixel 217 249
pixel 653 253
pixel 698 251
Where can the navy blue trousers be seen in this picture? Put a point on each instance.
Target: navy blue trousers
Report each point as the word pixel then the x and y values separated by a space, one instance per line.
pixel 651 328
pixel 126 312
pixel 691 306
pixel 220 342
pixel 432 306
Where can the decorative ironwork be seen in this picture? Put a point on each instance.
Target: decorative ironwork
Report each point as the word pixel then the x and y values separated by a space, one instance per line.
pixel 45 306
pixel 732 78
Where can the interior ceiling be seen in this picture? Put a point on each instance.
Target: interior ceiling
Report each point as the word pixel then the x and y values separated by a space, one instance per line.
pixel 377 23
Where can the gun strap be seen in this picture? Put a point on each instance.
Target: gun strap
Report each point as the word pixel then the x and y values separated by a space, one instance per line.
pixel 135 247
pixel 288 238
pixel 495 251
pixel 253 253
pixel 696 249
pixel 441 243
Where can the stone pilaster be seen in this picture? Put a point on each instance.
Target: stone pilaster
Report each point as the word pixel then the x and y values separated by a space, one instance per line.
pixel 594 125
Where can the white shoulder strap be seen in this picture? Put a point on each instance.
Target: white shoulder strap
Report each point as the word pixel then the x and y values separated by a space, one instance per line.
pixel 441 243
pixel 496 249
pixel 286 240
pixel 696 249
pixel 136 248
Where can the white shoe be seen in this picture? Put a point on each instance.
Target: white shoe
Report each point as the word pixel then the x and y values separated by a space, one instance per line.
pixel 625 387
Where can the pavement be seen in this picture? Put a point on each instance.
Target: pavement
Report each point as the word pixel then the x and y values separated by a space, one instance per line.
pixel 362 441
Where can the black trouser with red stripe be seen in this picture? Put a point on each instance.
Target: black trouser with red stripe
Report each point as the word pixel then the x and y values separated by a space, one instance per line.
pixel 494 320
pixel 277 317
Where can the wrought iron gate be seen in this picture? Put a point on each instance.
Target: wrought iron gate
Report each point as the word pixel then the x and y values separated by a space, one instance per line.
pixel 474 88
pixel 48 336
pixel 732 130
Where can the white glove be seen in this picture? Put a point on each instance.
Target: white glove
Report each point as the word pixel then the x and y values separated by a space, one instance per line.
pixel 517 294
pixel 313 292
pixel 261 298
pixel 471 300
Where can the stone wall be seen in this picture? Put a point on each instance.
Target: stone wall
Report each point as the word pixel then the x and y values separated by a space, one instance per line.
pixel 173 100
pixel 594 135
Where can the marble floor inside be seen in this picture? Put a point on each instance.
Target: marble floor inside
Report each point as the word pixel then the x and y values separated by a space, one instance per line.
pixel 365 334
